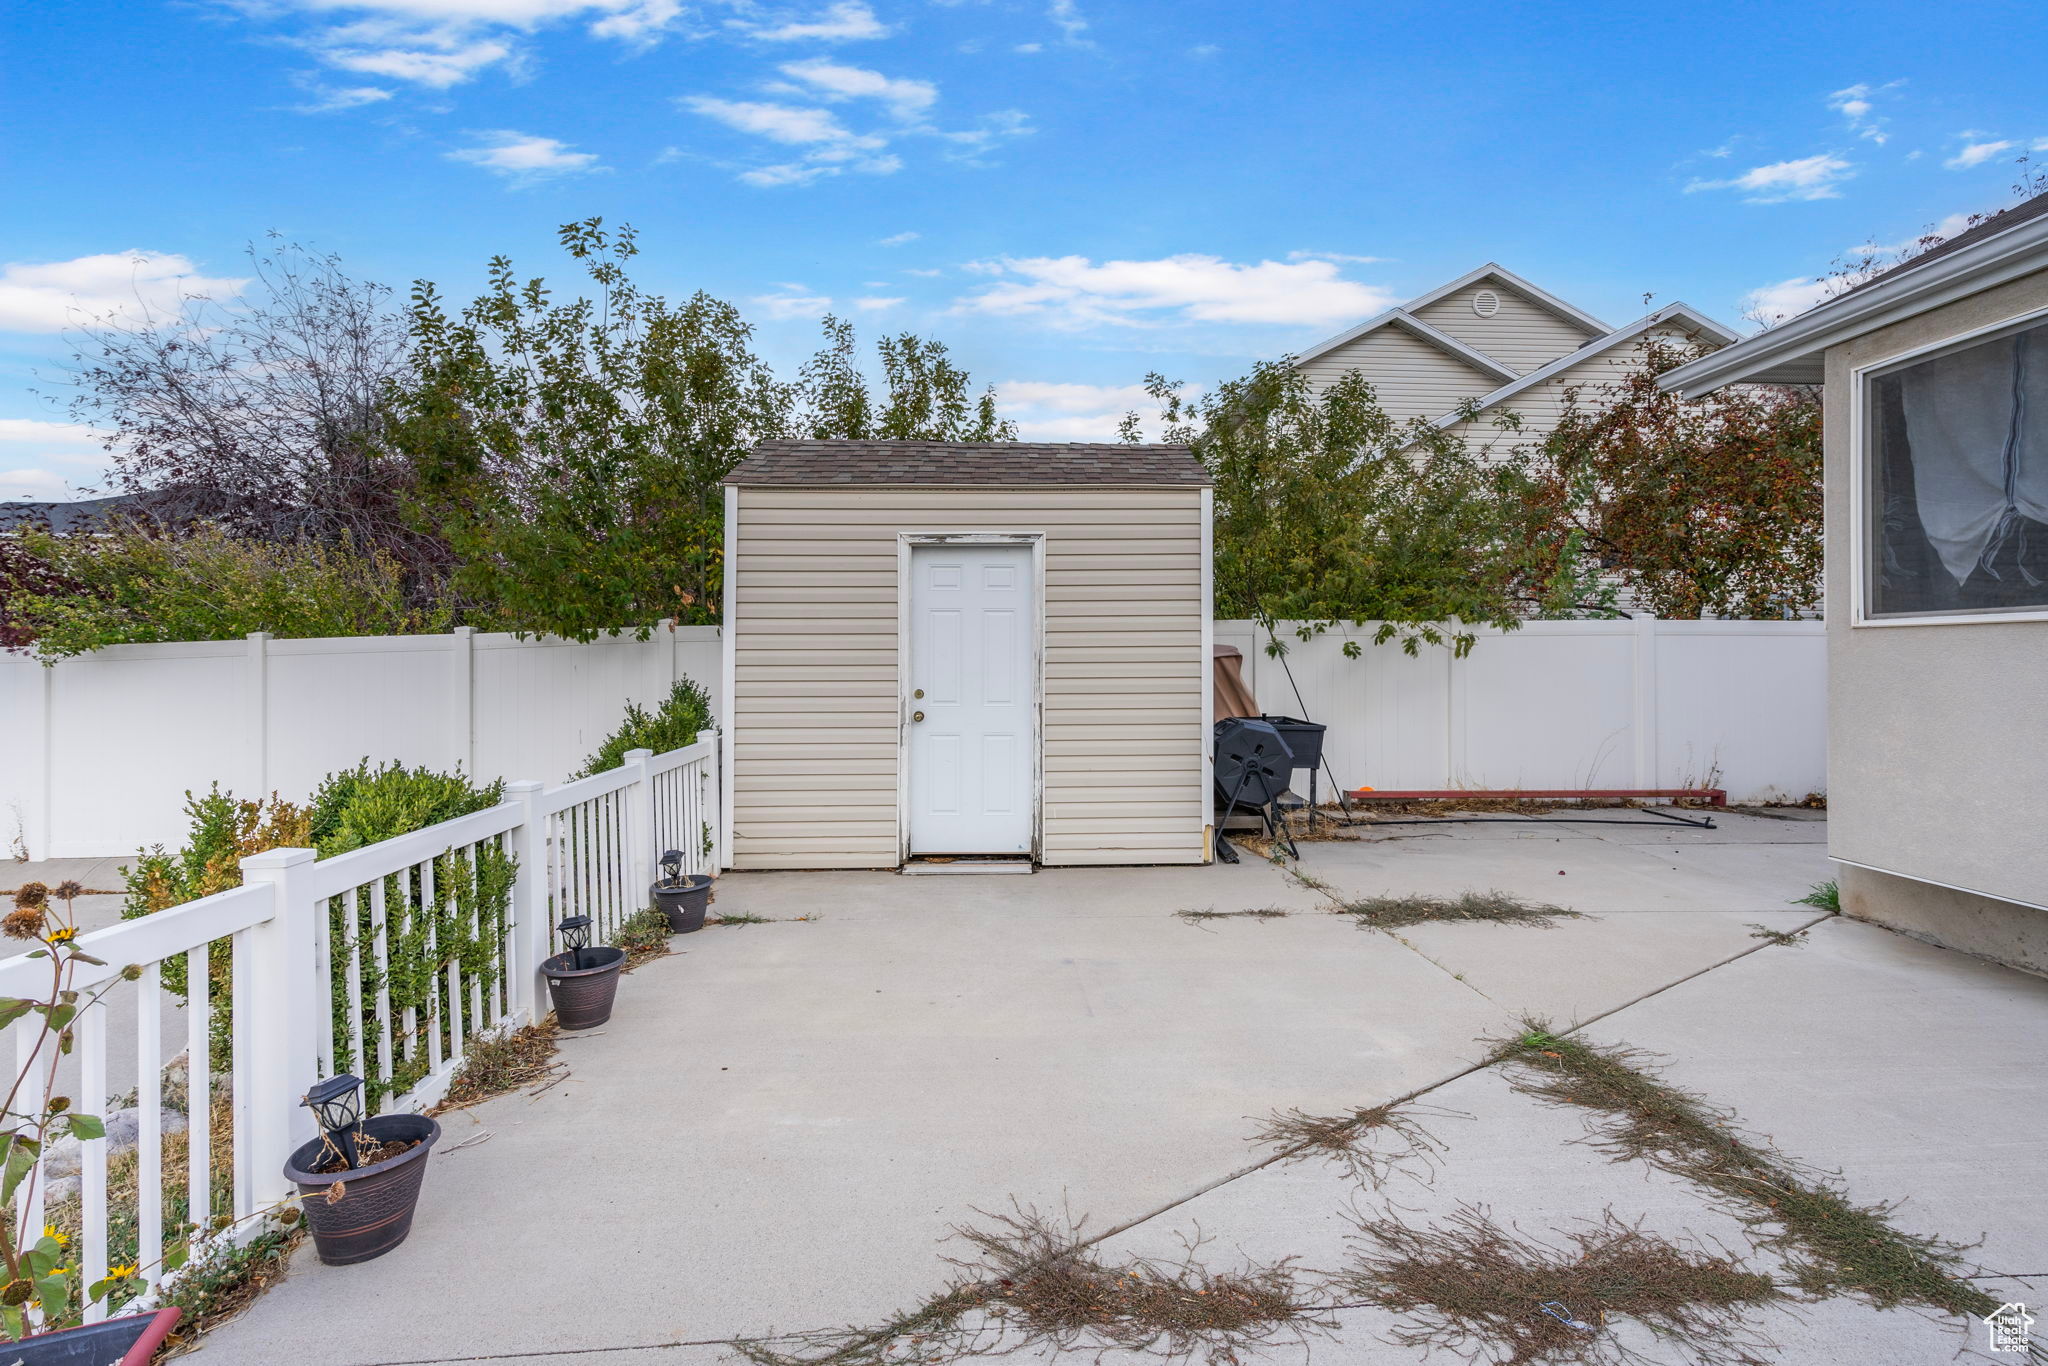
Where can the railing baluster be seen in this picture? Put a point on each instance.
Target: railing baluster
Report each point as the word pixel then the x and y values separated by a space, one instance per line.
pixel 149 1128
pixel 323 958
pixel 244 1119
pixel 352 916
pixel 455 967
pixel 89 1038
pixel 430 908
pixel 199 1090
pixel 380 946
pixel 477 1022
pixel 406 879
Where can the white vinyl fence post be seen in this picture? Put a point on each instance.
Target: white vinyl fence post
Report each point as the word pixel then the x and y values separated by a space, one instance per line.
pixel 529 904
pixel 258 713
pixel 287 1003
pixel 640 850
pixel 721 799
pixel 462 698
pixel 1644 700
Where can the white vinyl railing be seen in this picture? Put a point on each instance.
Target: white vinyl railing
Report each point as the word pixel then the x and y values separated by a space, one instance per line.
pixel 384 961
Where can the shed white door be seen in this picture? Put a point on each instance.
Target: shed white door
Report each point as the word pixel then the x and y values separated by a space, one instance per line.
pixel 972 756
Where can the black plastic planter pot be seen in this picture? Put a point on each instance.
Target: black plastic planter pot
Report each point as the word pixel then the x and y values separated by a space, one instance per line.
pixel 583 996
pixel 127 1341
pixel 374 1212
pixel 683 902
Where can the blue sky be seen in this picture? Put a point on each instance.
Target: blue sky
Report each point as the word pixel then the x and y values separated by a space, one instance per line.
pixel 1068 192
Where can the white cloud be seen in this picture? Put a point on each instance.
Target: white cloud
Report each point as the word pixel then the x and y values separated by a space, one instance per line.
pixel 525 158
pixel 1977 153
pixel 830 80
pixel 1773 304
pixel 440 43
pixel 1336 256
pixel 793 301
pixel 875 303
pixel 1066 15
pixel 1029 49
pixel 1051 411
pixel 923 274
pixel 1814 177
pixel 848 21
pixel 1072 398
pixel 788 124
pixel 1857 104
pixel 31 450
pixel 422 62
pixel 127 286
pixel 328 101
pixel 1072 291
pixel 897 239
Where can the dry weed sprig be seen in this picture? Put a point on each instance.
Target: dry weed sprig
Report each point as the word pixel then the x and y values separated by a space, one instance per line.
pixel 1370 1144
pixel 1475 1288
pixel 1036 1283
pixel 1831 1245
pixel 1498 908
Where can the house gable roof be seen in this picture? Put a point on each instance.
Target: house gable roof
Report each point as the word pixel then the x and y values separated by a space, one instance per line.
pixel 1000 464
pixel 2004 247
pixel 1402 320
pixel 1404 317
pixel 1672 314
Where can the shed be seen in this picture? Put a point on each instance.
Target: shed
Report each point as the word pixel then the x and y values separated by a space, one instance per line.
pixel 941 649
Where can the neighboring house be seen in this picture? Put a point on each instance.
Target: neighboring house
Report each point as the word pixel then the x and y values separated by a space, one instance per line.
pixel 1936 417
pixel 1491 338
pixel 936 649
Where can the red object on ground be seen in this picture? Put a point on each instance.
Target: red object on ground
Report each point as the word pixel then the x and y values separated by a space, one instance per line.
pixel 1712 796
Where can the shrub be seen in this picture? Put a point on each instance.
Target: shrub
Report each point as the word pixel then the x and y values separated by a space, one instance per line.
pixel 684 713
pixel 135 585
pixel 459 918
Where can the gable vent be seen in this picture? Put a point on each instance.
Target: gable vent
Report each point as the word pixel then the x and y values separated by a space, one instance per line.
pixel 1486 303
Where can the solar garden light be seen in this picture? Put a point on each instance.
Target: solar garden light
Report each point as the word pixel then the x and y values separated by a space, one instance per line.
pixel 337 1104
pixel 576 935
pixel 672 867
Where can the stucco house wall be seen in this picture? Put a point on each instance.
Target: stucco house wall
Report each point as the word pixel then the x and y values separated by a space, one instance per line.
pixel 1936 729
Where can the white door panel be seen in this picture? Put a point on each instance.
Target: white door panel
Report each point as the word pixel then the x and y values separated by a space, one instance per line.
pixel 972 754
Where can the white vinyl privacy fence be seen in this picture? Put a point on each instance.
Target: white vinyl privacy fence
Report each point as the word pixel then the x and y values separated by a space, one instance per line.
pixel 97 751
pixel 1740 705
pixel 383 961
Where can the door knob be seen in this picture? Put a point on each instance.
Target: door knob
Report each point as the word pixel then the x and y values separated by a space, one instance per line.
pixel 917 716
pixel 918 693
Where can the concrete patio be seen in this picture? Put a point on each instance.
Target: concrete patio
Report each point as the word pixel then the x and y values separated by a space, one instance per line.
pixel 783 1122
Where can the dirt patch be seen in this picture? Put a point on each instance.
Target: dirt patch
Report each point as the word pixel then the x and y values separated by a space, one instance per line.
pixel 1477 1289
pixel 1035 1283
pixel 1831 1245
pixel 1499 908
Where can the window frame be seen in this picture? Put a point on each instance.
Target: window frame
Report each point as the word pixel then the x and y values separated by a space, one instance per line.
pixel 1861 456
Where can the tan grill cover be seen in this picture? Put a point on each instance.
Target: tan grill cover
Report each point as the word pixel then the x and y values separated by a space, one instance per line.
pixel 1232 697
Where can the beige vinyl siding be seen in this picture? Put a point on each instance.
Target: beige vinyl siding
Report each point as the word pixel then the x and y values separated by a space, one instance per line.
pixel 1520 335
pixel 1414 379
pixel 816 696
pixel 1541 405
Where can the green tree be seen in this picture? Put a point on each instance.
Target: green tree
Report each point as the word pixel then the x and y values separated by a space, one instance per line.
pixel 1328 510
pixel 571 451
pixel 1696 507
pixel 925 397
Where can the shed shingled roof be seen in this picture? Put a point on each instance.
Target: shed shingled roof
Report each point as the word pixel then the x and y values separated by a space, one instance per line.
pixel 1002 463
